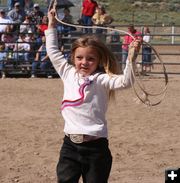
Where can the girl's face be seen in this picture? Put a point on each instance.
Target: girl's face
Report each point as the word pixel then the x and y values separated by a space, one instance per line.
pixel 86 60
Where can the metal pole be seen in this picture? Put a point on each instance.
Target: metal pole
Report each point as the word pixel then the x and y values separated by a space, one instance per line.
pixel 172 32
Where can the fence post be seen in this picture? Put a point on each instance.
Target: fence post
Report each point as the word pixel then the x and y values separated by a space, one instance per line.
pixel 172 32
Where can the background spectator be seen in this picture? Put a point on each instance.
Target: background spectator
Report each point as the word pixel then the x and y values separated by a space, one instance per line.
pixel 34 44
pixel 67 18
pixel 127 40
pixel 101 18
pixel 9 39
pixel 5 22
pixel 3 57
pixel 41 61
pixel 42 26
pixel 27 25
pixel 88 10
pixel 22 49
pixel 17 15
pixel 146 51
pixel 36 14
pixel 113 36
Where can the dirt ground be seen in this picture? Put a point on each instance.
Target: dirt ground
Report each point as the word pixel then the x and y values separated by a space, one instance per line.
pixel 143 141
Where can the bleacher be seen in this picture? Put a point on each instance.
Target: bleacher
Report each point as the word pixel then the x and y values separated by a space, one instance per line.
pixel 17 67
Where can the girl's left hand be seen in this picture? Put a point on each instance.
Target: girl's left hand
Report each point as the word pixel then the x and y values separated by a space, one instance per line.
pixel 134 48
pixel 136 44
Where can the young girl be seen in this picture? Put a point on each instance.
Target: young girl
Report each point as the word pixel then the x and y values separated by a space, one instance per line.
pixel 88 83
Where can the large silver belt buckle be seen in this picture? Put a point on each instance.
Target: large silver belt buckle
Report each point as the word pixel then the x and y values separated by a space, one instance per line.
pixel 77 138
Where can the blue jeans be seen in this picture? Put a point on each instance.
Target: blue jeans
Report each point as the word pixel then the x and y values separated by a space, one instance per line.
pixel 124 58
pixel 146 56
pixel 35 66
pixel 92 160
pixel 44 66
pixel 87 21
pixel 22 57
pixel 1 65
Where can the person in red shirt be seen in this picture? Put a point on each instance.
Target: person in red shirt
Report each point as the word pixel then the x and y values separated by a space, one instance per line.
pixel 40 29
pixel 88 10
pixel 43 26
pixel 127 40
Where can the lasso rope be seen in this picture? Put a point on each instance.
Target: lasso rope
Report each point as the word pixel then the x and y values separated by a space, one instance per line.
pixel 132 56
pixel 145 97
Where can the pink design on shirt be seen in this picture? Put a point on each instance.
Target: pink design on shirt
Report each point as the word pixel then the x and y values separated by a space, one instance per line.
pixel 77 102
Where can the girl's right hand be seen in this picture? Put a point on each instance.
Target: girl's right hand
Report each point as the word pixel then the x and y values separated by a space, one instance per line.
pixel 52 20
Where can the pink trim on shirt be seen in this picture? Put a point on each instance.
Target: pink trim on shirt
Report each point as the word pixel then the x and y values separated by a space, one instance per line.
pixel 77 102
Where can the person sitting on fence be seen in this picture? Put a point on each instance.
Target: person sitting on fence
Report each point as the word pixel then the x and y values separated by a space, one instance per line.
pixel 3 57
pixel 36 14
pixel 41 61
pixel 22 49
pixel 17 15
pixel 101 18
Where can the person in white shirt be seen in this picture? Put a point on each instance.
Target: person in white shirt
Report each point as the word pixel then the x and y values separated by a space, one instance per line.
pixel 5 22
pixel 146 52
pixel 27 25
pixel 88 83
pixel 22 49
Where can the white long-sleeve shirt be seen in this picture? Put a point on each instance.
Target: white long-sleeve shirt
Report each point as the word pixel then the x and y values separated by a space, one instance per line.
pixel 84 106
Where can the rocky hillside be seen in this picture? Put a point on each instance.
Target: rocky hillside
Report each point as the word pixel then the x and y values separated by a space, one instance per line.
pixel 152 5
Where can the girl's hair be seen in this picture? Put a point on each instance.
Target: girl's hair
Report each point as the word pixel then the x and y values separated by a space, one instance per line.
pixel 107 60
